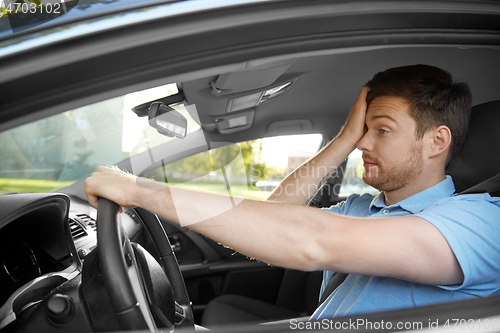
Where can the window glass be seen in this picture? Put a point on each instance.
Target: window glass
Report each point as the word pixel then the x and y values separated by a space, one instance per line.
pixel 57 151
pixel 352 182
pixel 248 169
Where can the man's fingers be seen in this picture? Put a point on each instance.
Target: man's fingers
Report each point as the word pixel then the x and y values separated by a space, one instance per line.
pixel 354 129
pixel 114 184
pixel 91 197
pixel 362 94
pixel 92 200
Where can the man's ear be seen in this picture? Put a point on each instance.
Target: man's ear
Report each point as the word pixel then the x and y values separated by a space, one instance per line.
pixel 440 140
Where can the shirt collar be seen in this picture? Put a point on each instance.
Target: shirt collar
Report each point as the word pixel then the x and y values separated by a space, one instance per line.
pixel 417 202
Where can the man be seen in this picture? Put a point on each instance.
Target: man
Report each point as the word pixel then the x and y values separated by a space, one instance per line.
pixel 413 244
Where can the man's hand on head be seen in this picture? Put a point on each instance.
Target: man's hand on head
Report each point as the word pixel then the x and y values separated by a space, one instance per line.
pixel 326 161
pixel 354 128
pixel 114 184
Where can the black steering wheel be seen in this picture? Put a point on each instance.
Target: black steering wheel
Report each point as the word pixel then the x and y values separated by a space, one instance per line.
pixel 124 266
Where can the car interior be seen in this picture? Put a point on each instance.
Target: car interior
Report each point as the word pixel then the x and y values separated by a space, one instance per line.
pixel 309 102
pixel 245 95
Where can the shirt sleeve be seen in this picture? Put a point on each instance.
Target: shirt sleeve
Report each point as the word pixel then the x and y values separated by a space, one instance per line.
pixel 471 226
pixel 355 205
pixel 342 207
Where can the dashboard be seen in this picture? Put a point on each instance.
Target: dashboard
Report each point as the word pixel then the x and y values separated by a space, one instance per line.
pixel 47 258
pixel 44 240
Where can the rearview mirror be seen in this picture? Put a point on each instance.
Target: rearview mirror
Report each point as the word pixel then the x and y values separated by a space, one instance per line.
pixel 167 121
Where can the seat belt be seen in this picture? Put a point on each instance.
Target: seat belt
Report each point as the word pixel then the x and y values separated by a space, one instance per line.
pixel 490 185
pixel 335 281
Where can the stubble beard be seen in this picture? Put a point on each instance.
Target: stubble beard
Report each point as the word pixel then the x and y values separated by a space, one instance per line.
pixel 391 178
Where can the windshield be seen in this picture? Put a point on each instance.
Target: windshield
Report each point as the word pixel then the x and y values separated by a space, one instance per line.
pixel 55 152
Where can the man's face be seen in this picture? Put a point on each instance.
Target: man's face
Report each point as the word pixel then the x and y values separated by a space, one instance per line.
pixel 392 154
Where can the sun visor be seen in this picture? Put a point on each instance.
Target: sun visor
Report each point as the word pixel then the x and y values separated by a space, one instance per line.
pixel 250 78
pixel 234 122
pixel 286 127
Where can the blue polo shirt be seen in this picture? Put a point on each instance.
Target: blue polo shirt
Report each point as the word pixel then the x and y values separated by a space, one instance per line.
pixel 471 225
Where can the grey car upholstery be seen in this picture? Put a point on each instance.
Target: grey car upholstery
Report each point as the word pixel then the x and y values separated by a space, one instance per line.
pixel 479 158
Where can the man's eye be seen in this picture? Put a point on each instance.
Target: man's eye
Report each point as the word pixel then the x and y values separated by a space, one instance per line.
pixel 382 131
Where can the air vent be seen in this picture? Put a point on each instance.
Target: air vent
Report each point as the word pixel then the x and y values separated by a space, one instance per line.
pixel 76 229
pixel 87 220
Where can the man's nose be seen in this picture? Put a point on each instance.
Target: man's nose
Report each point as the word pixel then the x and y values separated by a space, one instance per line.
pixel 365 143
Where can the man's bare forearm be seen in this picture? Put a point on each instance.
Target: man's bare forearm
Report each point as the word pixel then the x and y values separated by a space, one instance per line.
pixel 301 184
pixel 278 234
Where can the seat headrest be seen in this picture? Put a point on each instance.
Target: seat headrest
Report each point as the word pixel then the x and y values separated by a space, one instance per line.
pixel 479 158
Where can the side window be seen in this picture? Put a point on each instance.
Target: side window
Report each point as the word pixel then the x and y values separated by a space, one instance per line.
pixel 248 169
pixel 352 182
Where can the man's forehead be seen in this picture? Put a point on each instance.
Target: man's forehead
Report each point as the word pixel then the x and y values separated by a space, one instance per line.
pixel 392 108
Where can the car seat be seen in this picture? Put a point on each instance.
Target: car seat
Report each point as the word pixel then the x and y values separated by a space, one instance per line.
pixel 479 158
pixel 297 297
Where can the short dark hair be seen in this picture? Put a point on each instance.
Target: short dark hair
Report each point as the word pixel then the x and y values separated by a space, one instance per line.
pixel 434 99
